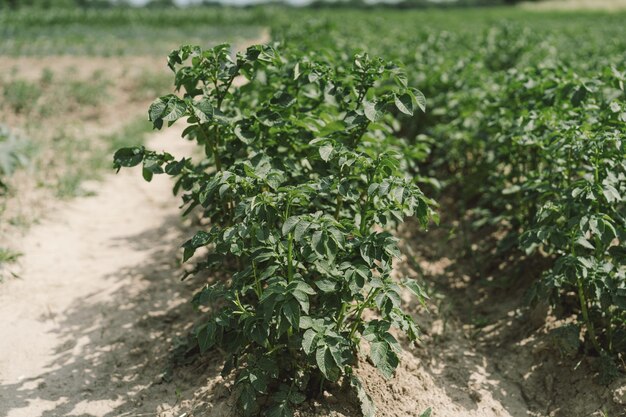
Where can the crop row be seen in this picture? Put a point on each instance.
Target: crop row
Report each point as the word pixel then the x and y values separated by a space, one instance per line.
pixel 526 130
pixel 302 179
pixel 325 150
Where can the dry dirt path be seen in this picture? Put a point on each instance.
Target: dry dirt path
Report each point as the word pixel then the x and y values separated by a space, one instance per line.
pixel 98 275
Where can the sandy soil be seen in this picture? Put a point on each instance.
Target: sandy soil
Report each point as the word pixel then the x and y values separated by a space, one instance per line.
pixel 96 291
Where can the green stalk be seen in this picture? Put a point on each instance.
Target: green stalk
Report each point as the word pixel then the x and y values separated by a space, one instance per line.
pixel 289 257
pixel 585 311
pixel 238 303
pixel 216 156
pixel 339 206
pixel 364 208
pixel 370 296
pixel 257 283
pixel 289 246
pixel 342 315
pixel 610 329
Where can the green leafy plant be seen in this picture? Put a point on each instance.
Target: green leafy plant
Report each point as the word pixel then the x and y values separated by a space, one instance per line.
pixel 15 152
pixel 21 96
pixel 302 180
pixel 525 136
pixel 7 257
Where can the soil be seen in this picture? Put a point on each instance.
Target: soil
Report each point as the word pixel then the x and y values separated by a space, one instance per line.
pixel 82 124
pixel 96 322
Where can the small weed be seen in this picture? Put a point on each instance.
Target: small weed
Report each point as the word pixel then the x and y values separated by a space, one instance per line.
pixel 7 256
pixel 47 76
pixel 21 96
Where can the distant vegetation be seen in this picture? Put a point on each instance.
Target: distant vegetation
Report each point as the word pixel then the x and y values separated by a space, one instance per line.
pixel 155 4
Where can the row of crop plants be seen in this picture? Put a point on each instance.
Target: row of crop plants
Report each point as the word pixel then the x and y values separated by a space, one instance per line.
pixel 302 180
pixel 312 163
pixel 525 130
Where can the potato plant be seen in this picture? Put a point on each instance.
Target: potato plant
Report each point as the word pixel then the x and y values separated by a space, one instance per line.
pixel 568 178
pixel 302 182
pixel 525 130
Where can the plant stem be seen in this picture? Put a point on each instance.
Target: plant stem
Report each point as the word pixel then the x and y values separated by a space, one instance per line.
pixel 339 206
pixel 364 209
pixel 257 283
pixel 226 87
pixel 342 314
pixel 216 157
pixel 290 257
pixel 583 306
pixel 289 246
pixel 370 295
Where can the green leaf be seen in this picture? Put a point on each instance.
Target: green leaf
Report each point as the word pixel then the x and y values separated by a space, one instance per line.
pixel 147 174
pixel 306 322
pixel 243 134
pixel 269 118
pixel 584 243
pixel 420 99
pixel 404 103
pixel 199 239
pixel 309 341
pixel 326 363
pixel 291 310
pixel 611 194
pixel 280 410
pixel 203 110
pixel 365 401
pixel 415 288
pixel 175 168
pixel 258 379
pixel 168 108
pixel 326 285
pixel 283 99
pixel 300 230
pixel 372 110
pixel 289 224
pixel 426 412
pixel 128 157
pixel 303 300
pixel 206 336
pixel 317 243
pixel 325 152
pixel 384 358
pixel 247 400
pixel 296 397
